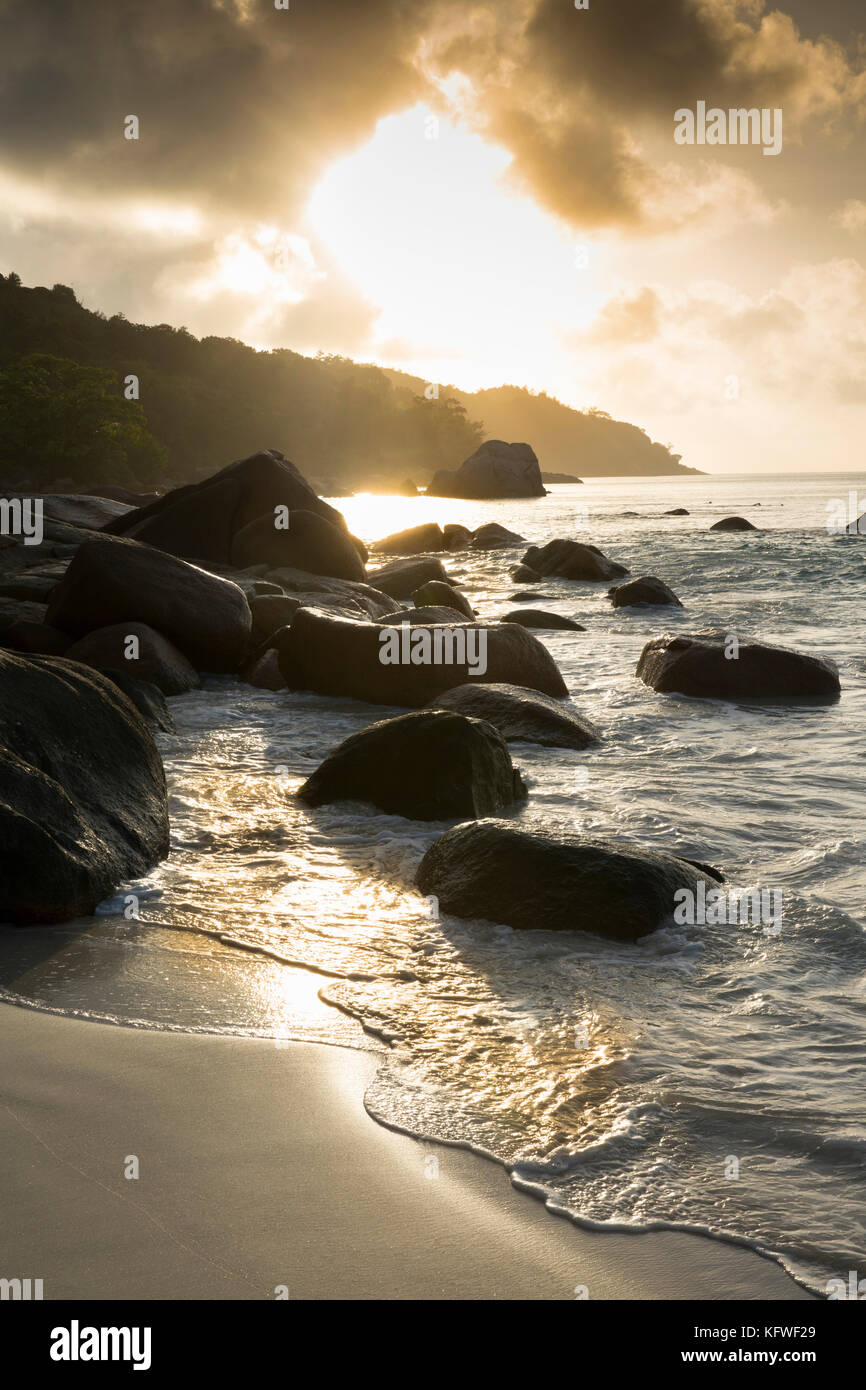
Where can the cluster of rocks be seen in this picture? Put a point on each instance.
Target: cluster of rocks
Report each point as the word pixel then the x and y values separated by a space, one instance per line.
pixel 250 574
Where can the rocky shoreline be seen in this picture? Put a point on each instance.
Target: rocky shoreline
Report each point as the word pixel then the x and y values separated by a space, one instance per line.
pixel 249 574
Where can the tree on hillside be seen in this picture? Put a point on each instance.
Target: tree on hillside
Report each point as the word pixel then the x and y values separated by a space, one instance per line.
pixel 61 419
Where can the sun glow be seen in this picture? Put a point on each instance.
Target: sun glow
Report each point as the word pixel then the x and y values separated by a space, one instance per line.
pixel 422 220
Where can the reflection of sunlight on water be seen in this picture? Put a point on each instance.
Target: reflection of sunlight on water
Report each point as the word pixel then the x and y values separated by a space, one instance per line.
pixel 288 1003
pixel 368 514
pixel 372 516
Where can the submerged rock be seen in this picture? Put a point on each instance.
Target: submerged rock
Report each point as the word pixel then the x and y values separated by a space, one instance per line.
pixel 490 869
pixel 733 523
pixel 534 617
pixel 716 667
pixel 569 560
pixel 431 765
pixel 645 591
pixel 521 715
pixel 113 580
pixel 82 791
pixel 676 511
pixel 335 656
pixel 496 469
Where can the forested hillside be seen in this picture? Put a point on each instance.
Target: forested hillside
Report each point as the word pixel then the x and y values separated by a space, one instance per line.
pixel 588 443
pixel 86 399
pixel 201 403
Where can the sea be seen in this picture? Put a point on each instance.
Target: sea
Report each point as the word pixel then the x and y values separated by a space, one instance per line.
pixel 709 1078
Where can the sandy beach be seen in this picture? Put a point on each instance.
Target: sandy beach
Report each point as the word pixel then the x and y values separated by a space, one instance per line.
pixel 259 1168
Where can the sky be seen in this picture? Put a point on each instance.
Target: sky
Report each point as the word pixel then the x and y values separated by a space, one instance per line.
pixel 474 193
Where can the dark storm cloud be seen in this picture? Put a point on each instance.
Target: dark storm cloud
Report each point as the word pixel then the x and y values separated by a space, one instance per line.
pixel 638 56
pixel 579 166
pixel 566 90
pixel 240 105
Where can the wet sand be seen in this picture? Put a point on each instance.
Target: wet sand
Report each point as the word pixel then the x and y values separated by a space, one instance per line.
pixel 260 1172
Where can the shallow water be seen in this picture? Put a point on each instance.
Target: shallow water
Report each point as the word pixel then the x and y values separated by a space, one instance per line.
pixel 710 1077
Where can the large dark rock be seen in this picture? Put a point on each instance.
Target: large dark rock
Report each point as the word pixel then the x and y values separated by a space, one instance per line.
pixel 442 595
pixel 431 765
pixel 645 591
pixel 201 520
pixel 82 791
pixel 496 469
pixel 733 523
pixel 536 617
pixel 534 882
pixel 335 656
pixel 698 665
pixel 569 560
pixel 343 595
pixel 309 542
pixel 521 715
pixel 113 580
pixel 158 660
pixel 400 578
pixel 418 540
